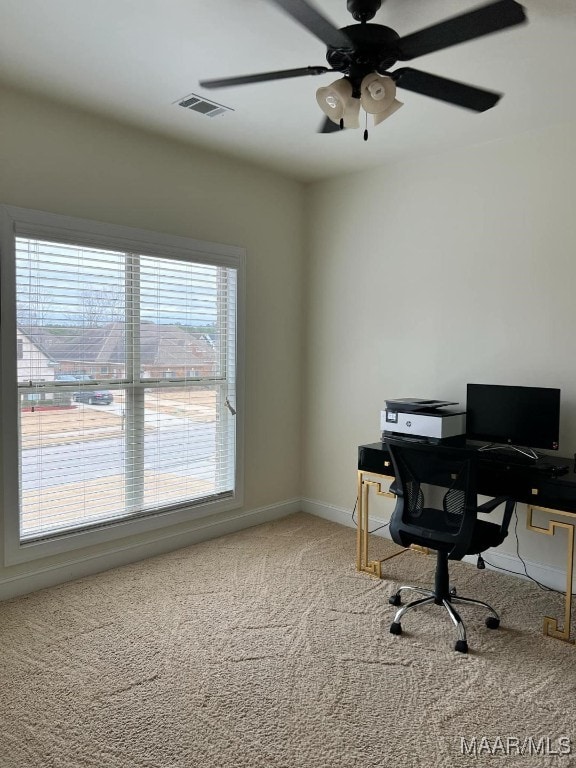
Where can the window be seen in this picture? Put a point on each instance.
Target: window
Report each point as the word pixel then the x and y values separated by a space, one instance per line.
pixel 134 449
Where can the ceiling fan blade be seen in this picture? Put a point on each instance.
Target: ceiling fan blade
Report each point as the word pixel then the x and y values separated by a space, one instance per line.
pixel 460 94
pixel 315 22
pixel 281 74
pixel 329 127
pixel 482 21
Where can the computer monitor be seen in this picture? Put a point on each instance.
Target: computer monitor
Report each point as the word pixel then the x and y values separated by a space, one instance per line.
pixel 514 416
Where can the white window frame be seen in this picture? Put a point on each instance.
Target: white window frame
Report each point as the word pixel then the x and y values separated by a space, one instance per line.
pixel 23 222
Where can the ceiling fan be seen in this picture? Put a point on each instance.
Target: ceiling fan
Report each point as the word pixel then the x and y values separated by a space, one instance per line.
pixel 364 53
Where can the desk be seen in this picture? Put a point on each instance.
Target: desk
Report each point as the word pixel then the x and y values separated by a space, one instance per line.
pixel 542 492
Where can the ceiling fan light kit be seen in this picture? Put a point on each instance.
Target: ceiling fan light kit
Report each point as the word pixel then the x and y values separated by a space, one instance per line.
pixel 377 98
pixel 364 53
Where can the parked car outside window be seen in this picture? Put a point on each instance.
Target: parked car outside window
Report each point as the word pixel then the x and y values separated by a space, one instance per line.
pixel 98 397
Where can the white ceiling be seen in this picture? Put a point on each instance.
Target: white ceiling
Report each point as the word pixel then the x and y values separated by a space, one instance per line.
pixel 132 59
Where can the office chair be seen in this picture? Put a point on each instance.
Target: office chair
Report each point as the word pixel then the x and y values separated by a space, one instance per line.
pixel 452 529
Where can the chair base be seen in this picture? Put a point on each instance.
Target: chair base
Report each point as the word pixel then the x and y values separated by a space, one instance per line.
pixel 447 600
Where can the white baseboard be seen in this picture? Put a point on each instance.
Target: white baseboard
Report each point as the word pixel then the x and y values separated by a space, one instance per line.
pixel 40 577
pixel 545 574
pixel 328 512
pixel 548 575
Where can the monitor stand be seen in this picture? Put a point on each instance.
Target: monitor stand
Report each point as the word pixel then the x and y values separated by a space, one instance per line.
pixel 529 452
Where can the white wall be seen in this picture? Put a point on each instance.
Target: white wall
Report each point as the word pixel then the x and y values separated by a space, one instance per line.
pixel 426 275
pixel 56 159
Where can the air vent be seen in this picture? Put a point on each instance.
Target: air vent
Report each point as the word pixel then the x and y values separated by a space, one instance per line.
pixel 198 104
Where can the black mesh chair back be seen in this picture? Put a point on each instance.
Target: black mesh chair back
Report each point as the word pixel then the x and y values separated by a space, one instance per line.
pixel 421 471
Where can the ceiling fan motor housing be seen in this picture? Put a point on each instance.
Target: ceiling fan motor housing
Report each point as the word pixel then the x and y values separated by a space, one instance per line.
pixel 375 50
pixel 363 10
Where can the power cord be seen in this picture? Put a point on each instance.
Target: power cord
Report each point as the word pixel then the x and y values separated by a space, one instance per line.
pixel 544 587
pixel 374 530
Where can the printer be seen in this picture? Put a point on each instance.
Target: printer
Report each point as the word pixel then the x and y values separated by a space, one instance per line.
pixel 424 419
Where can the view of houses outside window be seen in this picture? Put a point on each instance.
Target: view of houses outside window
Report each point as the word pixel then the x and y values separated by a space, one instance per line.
pixel 126 370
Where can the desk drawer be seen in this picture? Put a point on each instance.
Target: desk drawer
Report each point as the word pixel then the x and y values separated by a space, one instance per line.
pixel 555 495
pixel 375 460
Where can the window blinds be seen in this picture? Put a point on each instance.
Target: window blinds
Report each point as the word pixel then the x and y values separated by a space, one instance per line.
pixel 126 373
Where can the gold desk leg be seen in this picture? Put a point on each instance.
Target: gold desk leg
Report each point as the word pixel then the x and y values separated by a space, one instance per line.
pixel 551 625
pixel 373 567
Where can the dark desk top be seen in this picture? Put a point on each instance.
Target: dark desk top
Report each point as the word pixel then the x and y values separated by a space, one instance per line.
pixel 527 482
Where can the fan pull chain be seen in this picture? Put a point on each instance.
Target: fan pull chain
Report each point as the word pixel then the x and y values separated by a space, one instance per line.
pixel 366 129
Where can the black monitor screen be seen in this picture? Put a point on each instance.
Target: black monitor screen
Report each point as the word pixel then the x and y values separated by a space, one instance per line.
pixel 523 416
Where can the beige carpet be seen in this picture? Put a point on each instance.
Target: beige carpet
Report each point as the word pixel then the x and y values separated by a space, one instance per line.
pixel 266 649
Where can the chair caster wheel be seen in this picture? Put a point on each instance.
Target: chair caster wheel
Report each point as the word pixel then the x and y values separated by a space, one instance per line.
pixel 461 646
pixel 395 628
pixel 395 600
pixel 492 622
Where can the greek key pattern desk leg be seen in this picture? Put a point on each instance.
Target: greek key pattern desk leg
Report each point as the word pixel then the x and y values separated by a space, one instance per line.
pixel 373 567
pixel 550 624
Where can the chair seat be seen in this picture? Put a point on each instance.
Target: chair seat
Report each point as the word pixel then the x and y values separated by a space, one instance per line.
pixel 485 535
